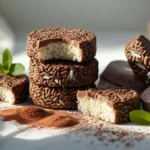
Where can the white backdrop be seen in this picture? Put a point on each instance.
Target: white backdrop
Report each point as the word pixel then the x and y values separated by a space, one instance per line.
pixel 114 22
pixel 87 14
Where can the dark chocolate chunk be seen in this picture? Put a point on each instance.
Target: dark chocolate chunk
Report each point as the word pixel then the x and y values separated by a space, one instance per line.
pixel 104 84
pixel 145 97
pixel 119 73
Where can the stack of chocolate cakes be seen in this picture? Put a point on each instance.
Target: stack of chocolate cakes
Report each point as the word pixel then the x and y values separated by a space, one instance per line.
pixel 62 62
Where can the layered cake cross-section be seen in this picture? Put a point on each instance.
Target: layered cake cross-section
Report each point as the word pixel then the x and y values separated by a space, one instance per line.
pixel 14 89
pixel 112 105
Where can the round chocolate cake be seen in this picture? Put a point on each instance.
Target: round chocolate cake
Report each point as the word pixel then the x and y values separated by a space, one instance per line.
pixel 61 43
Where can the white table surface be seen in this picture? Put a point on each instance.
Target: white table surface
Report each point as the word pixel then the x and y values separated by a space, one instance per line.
pixel 110 46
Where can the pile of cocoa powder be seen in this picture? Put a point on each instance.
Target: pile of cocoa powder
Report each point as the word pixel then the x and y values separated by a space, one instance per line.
pixel 34 116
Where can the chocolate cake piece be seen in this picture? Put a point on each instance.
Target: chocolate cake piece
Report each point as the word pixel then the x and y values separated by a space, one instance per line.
pixel 13 89
pixel 137 52
pixel 120 73
pixel 55 98
pixel 111 105
pixel 145 97
pixel 61 43
pixel 63 73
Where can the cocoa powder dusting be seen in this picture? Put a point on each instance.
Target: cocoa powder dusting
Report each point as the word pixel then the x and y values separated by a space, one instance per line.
pixel 35 116
pixel 32 114
pixel 104 133
pixel 58 120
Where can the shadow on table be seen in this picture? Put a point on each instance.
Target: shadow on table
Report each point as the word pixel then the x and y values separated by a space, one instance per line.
pixel 68 140
pixel 57 142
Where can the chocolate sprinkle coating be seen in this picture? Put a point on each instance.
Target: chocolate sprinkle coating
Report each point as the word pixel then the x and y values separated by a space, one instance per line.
pixel 86 40
pixel 137 52
pixel 63 73
pixel 122 101
pixel 55 98
pixel 17 85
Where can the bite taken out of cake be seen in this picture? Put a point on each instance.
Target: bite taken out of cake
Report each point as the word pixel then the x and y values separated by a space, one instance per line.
pixel 61 43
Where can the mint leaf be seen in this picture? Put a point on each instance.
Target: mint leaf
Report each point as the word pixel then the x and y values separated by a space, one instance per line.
pixel 3 70
pixel 6 59
pixel 140 117
pixel 16 69
pixel 7 67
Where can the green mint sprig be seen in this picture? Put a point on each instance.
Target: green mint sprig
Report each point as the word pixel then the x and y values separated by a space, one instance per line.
pixel 7 67
pixel 140 117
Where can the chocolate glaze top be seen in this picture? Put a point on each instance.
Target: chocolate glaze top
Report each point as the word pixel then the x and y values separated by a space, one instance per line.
pixel 111 96
pixel 64 33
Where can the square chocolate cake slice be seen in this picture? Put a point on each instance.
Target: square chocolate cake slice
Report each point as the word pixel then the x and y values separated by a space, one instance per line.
pixel 13 89
pixel 112 105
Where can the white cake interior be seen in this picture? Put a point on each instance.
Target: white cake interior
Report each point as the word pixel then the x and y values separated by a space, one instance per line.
pixel 6 95
pixel 60 50
pixel 96 108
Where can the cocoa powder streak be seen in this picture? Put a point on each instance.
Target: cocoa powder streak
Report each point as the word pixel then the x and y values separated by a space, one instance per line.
pixel 35 117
